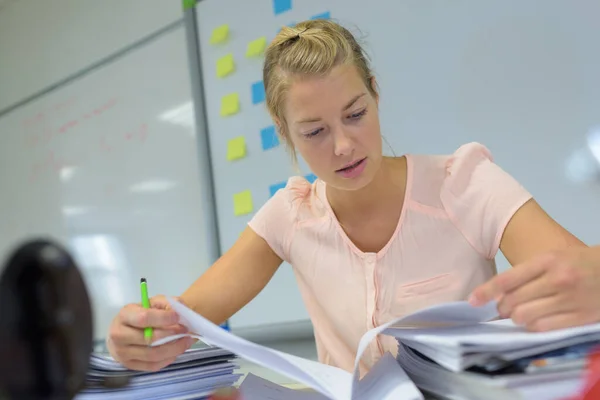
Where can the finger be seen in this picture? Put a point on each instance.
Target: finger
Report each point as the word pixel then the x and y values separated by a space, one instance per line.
pixel 506 282
pixel 534 289
pixel 139 317
pixel 560 321
pixel 149 366
pixel 161 302
pixel 527 313
pixel 127 335
pixel 227 393
pixel 158 353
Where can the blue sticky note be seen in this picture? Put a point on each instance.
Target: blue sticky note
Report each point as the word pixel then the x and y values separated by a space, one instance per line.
pixel 258 92
pixel 325 15
pixel 268 138
pixel 275 187
pixel 281 6
pixel 310 177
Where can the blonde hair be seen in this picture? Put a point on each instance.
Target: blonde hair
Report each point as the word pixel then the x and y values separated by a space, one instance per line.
pixel 310 48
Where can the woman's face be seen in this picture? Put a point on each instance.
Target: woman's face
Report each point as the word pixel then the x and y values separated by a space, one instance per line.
pixel 333 122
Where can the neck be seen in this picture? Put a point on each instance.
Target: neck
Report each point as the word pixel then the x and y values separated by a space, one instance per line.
pixel 386 188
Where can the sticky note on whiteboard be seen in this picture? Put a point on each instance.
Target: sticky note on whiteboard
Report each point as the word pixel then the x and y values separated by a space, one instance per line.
pixel 236 148
pixel 242 203
pixel 275 187
pixel 258 92
pixel 256 47
pixel 220 34
pixel 281 6
pixel 230 104
pixel 324 15
pixel 225 65
pixel 310 177
pixel 268 138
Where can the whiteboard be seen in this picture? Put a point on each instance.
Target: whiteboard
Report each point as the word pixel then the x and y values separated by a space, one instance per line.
pixel 520 77
pixel 61 37
pixel 108 165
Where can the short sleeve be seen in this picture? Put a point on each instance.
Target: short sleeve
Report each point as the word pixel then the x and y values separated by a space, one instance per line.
pixel 275 220
pixel 480 197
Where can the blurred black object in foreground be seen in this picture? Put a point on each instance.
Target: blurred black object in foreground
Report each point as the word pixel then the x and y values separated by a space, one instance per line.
pixel 45 324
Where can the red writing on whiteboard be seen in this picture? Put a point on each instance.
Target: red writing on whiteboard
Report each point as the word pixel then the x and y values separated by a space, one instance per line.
pixel 40 126
pixel 41 115
pixel 107 144
pixel 50 163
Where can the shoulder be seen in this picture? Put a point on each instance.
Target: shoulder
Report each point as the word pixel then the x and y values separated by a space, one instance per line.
pixel 432 174
pixel 298 199
pixel 465 163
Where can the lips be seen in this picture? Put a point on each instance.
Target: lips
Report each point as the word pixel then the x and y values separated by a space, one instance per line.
pixel 352 165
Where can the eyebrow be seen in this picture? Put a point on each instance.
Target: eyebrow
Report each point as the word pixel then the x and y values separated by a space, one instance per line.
pixel 347 106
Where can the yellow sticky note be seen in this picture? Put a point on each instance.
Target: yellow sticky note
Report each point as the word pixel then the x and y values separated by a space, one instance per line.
pixel 219 34
pixel 225 65
pixel 230 104
pixel 242 203
pixel 236 148
pixel 256 47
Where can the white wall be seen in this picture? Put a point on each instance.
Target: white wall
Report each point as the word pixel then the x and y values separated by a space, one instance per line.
pixel 45 41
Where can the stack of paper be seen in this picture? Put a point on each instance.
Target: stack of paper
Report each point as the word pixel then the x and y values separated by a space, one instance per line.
pixel 194 375
pixel 453 351
pixel 496 360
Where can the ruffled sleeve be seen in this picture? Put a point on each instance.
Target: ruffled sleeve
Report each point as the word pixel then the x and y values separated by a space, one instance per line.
pixel 480 197
pixel 275 221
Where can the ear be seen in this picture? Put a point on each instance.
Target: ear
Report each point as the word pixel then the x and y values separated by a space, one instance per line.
pixel 278 126
pixel 374 88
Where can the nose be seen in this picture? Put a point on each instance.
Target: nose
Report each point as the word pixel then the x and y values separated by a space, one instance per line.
pixel 342 143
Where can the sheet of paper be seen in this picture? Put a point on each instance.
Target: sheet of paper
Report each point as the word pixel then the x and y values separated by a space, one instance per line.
pixel 489 335
pixel 242 203
pixel 330 381
pixel 447 314
pixel 386 380
pixel 257 388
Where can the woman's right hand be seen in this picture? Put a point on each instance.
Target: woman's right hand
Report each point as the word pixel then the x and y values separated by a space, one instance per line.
pixel 126 342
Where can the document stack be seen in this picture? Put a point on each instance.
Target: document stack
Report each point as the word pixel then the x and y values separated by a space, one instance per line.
pixel 450 351
pixel 194 375
pixel 496 360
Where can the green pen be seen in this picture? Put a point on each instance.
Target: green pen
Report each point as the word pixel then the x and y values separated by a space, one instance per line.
pixel 146 304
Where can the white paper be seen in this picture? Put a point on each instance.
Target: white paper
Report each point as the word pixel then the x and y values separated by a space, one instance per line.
pixel 257 388
pixel 490 335
pixel 386 380
pixel 330 381
pixel 448 314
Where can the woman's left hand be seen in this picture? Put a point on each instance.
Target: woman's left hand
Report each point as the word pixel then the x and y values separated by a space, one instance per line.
pixel 552 291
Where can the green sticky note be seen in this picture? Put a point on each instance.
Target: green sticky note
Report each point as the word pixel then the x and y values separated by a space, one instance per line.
pixel 242 203
pixel 236 148
pixel 220 34
pixel 256 47
pixel 230 104
pixel 189 4
pixel 225 65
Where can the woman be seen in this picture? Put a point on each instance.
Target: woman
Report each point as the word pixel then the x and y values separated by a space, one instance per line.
pixel 375 237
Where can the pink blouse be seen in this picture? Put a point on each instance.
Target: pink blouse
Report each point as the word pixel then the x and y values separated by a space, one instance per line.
pixel 455 211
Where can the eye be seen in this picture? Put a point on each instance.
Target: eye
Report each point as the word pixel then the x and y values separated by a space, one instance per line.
pixel 358 115
pixel 313 133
